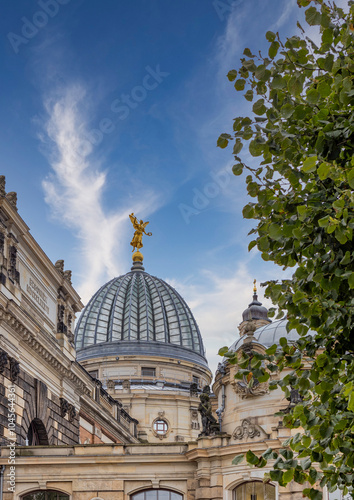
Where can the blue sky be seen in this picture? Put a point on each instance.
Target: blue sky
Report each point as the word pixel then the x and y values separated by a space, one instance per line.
pixel 115 107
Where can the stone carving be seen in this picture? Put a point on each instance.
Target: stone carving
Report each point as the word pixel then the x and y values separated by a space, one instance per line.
pixel 2 185
pixel 161 414
pixel 14 274
pixel 60 266
pixel 194 389
pixel 258 389
pixel 248 430
pixel 67 276
pixel 126 384
pixel 2 243
pixel 110 385
pixel 3 360
pixel 194 419
pixel 71 413
pixel 209 422
pixel 64 407
pixel 12 199
pixel 61 327
pixel 221 369
pixel 14 369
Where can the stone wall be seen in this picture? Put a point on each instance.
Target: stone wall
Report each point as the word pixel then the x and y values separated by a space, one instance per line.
pixel 33 402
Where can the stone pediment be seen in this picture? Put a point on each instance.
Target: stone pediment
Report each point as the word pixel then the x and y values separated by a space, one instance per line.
pixel 248 431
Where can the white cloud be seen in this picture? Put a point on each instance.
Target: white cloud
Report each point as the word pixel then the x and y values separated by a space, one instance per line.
pixel 75 192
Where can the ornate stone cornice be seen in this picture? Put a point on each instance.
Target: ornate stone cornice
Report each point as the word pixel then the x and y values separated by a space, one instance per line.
pixel 52 357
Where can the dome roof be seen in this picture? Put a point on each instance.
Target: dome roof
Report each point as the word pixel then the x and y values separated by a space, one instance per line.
pixel 271 334
pixel 138 314
pixel 255 310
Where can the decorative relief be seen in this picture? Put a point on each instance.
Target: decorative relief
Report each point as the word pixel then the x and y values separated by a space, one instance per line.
pixel 60 266
pixel 2 185
pixel 3 360
pixel 258 389
pixel 13 273
pixel 2 243
pixel 61 327
pixel 248 430
pixel 64 407
pixel 12 199
pixel 195 419
pixel 194 389
pixel 110 385
pixel 71 413
pixel 14 369
pixel 67 276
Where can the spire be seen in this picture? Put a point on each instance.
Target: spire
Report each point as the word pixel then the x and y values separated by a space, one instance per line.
pixel 255 310
pixel 255 297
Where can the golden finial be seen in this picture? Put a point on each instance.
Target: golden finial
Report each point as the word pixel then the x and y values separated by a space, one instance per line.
pixel 254 287
pixel 137 241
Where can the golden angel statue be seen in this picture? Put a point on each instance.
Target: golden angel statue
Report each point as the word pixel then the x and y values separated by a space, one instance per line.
pixel 137 241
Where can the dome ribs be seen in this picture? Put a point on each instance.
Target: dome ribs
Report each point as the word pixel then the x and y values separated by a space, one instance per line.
pixel 122 282
pixel 163 312
pixel 168 316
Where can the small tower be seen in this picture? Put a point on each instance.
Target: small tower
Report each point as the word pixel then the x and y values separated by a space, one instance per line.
pixel 255 312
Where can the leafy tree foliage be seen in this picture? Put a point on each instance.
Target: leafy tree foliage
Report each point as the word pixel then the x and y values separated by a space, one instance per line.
pixel 302 132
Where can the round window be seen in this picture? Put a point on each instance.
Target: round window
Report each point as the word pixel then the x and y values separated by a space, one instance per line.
pixel 160 427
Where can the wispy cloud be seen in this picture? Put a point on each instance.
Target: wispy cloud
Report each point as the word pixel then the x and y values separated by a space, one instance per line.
pixel 285 15
pixel 75 189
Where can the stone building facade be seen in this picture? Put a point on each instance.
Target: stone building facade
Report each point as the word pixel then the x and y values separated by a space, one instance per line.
pixel 118 414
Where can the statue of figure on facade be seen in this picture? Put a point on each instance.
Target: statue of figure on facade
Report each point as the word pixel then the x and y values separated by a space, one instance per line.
pixel 209 422
pixel 2 185
pixel 137 241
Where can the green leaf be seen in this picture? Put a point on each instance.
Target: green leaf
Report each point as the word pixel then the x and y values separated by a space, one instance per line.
pixel 237 146
pixel 288 476
pixel 351 178
pixel 287 110
pixel 275 231
pixel 351 280
pixel 270 36
pixel 273 49
pixel 232 75
pixel 237 169
pixel 248 211
pixel 238 459
pixel 249 95
pixel 240 84
pixel 309 164
pixel 259 107
pixel 278 82
pixel 222 142
pixel 313 17
pixel 323 170
pixel 255 148
pixel 252 458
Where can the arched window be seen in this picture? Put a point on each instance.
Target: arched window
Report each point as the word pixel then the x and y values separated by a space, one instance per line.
pixel 255 490
pixel 37 435
pixel 46 495
pixel 157 495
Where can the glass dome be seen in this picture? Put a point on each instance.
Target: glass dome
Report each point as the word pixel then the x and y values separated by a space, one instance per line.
pixel 271 334
pixel 138 312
